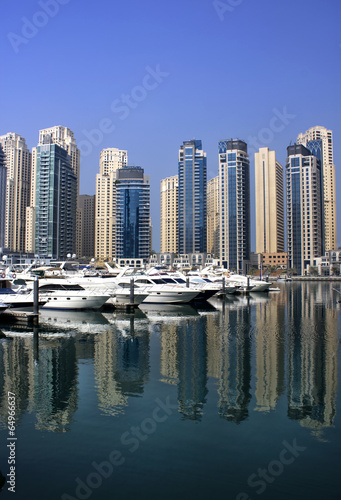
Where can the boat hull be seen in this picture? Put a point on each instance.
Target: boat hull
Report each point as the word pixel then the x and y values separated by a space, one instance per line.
pixel 170 297
pixel 75 301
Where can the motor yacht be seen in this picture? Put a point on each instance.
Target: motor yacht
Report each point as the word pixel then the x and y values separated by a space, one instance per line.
pixel 159 292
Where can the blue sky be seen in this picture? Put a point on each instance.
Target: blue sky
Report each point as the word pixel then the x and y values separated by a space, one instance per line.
pixel 147 75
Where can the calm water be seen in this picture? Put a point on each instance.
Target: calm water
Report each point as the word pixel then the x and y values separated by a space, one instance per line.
pixel 237 400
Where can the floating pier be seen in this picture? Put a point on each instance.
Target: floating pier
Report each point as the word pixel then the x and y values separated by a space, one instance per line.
pixel 23 317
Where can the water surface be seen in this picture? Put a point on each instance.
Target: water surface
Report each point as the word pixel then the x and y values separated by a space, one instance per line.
pixel 237 400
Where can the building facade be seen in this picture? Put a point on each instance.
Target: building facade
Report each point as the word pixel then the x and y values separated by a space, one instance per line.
pixel 55 204
pixel 86 225
pixel 213 216
pixel 17 160
pixel 319 141
pixel 111 159
pixel 132 213
pixel 169 215
pixel 3 182
pixel 234 201
pixel 269 197
pixel 304 207
pixel 192 172
pixel 64 138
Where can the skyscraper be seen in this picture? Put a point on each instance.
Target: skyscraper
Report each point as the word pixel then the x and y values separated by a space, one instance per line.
pixel 319 141
pixel 111 159
pixel 64 138
pixel 304 207
pixel 56 203
pixel 269 202
pixel 213 216
pixel 169 214
pixel 3 182
pixel 18 163
pixel 86 205
pixel 192 170
pixel 132 213
pixel 234 186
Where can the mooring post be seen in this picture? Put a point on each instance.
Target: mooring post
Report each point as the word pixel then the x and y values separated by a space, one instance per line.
pixel 36 296
pixel 132 298
pixel 224 287
pixel 187 282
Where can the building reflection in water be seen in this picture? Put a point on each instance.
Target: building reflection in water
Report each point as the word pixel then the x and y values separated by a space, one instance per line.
pixel 192 367
pixel 270 353
pixel 312 358
pixel 43 376
pixel 122 368
pixel 234 377
pixel 184 361
pixel 14 373
pixel 292 336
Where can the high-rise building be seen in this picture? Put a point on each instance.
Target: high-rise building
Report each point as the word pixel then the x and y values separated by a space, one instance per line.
pixel 132 213
pixel 192 171
pixel 304 207
pixel 169 214
pixel 55 204
pixel 319 141
pixel 3 182
pixel 269 202
pixel 213 216
pixel 64 138
pixel 234 187
pixel 86 227
pixel 111 159
pixel 18 163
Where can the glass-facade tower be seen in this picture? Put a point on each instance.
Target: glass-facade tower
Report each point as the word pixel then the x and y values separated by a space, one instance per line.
pixel 132 213
pixel 192 172
pixel 234 187
pixel 56 203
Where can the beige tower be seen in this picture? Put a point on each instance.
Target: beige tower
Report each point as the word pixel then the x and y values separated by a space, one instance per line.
pixel 310 139
pixel 169 214
pixel 269 202
pixel 63 137
pixel 110 160
pixel 17 159
pixel 213 216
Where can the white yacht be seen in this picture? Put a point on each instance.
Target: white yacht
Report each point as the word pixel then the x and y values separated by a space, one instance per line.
pixel 60 294
pixel 17 299
pixel 158 291
pixel 248 283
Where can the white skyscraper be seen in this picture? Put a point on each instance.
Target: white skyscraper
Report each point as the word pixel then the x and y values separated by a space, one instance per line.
pixel 111 159
pixel 319 141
